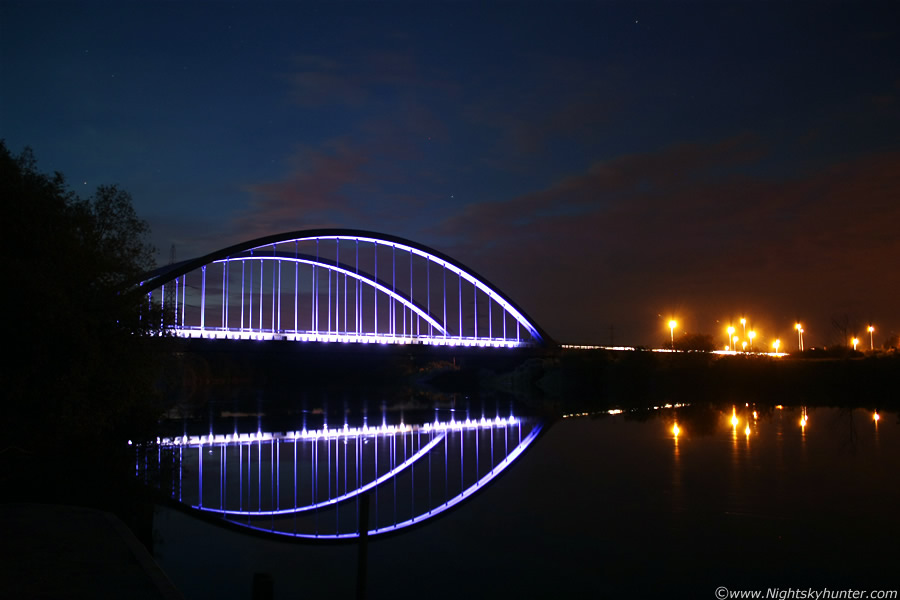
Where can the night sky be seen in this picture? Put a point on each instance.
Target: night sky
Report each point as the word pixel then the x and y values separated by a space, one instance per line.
pixel 607 165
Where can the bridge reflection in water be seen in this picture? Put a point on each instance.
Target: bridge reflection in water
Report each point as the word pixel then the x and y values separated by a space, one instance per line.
pixel 310 483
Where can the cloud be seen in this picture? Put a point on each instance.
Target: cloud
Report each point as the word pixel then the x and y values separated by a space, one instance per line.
pixel 311 195
pixel 692 224
pixel 320 81
pixel 379 183
pixel 317 81
pixel 623 189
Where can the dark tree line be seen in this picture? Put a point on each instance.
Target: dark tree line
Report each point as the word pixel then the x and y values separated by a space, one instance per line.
pixel 686 342
pixel 78 377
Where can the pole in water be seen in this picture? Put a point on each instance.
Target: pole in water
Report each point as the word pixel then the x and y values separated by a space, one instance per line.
pixel 263 586
pixel 362 559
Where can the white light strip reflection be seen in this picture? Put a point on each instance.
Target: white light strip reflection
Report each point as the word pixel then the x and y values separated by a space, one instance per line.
pixel 326 433
pixel 352 494
pixel 619 411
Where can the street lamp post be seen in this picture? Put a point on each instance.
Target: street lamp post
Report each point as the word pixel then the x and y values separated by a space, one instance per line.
pixel 799 329
pixel 744 325
pixel 735 340
pixel 672 325
pixel 855 341
pixel 776 344
pixel 752 335
pixel 730 333
pixel 871 339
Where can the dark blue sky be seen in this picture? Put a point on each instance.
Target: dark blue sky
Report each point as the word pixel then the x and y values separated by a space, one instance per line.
pixel 606 164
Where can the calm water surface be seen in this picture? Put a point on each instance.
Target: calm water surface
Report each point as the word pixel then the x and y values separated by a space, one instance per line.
pixel 613 505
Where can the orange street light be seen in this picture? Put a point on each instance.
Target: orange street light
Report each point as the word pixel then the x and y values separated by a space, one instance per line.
pixel 730 331
pixel 672 324
pixel 871 340
pixel 854 341
pixel 751 335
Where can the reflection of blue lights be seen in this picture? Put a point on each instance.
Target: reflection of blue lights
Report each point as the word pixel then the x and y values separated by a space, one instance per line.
pixel 345 432
pixel 338 499
pixel 500 467
pixel 449 504
pixel 430 436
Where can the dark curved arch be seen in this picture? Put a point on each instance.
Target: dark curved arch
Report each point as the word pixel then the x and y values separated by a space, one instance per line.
pixel 169 273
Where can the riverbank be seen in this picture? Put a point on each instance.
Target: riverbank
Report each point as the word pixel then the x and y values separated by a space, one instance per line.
pixel 56 551
pixel 208 375
pixel 636 378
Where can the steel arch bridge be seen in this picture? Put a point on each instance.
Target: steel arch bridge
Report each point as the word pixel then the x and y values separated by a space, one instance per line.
pixel 337 285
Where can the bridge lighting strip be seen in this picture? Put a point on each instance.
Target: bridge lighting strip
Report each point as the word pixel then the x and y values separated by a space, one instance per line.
pixel 499 468
pixel 353 338
pixel 478 284
pixel 366 280
pixel 423 451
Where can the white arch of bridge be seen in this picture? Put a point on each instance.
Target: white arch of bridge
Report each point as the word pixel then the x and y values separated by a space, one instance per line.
pixel 172 284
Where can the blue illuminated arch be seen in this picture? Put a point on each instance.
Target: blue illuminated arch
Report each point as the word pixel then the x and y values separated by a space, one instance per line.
pixel 272 248
pixel 367 280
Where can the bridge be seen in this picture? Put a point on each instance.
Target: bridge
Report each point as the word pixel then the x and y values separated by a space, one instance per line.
pixel 337 285
pixel 336 483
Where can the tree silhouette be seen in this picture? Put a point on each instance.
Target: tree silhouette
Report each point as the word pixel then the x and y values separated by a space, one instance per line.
pixel 79 378
pixel 695 341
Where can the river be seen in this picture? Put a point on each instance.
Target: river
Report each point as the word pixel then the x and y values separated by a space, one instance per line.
pixel 610 505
